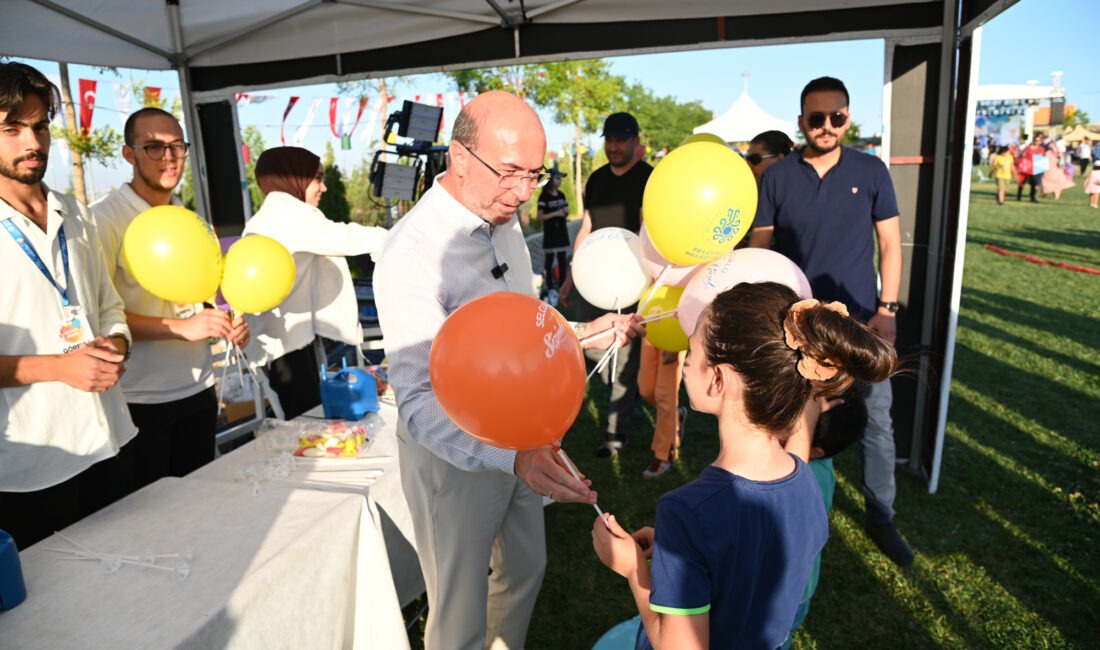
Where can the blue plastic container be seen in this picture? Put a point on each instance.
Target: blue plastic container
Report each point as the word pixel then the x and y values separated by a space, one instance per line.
pixel 12 588
pixel 349 394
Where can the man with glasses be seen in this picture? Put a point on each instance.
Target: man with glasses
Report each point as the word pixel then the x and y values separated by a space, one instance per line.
pixel 169 388
pixel 63 335
pixel 823 206
pixel 613 198
pixel 474 507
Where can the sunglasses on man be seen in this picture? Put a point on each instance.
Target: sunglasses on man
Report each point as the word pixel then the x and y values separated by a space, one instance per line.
pixel 755 158
pixel 817 120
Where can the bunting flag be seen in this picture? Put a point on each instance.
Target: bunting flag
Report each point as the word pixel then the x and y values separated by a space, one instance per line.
pixel 87 104
pixel 244 99
pixel 461 99
pixel 122 102
pixel 362 105
pixel 303 130
pixel 152 96
pixel 333 108
pixel 282 127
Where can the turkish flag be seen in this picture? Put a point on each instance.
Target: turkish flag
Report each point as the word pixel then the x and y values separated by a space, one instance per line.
pixel 87 104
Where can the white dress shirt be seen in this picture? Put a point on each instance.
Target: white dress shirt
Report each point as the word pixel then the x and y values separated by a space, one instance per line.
pixel 52 431
pixel 322 302
pixel 439 257
pixel 162 370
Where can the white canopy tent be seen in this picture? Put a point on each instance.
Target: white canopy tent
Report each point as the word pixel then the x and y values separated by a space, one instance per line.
pixel 222 47
pixel 744 120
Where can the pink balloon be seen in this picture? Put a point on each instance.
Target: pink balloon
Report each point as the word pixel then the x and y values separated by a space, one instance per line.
pixel 740 265
pixel 676 276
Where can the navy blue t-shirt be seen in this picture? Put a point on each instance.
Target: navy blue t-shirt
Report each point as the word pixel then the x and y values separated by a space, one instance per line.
pixel 826 225
pixel 740 549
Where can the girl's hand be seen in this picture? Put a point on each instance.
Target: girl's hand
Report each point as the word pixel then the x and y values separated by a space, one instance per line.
pixel 615 547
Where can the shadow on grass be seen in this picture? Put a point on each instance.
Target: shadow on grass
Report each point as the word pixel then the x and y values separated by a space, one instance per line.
pixel 1077 327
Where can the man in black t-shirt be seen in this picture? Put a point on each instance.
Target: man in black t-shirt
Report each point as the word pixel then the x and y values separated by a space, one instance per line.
pixel 613 198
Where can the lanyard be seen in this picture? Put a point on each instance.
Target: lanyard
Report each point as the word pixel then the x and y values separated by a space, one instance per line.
pixel 21 239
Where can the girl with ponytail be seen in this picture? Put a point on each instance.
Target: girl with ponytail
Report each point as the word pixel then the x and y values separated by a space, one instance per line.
pixel 732 550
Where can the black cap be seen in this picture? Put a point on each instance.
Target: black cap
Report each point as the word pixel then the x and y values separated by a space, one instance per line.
pixel 554 171
pixel 620 125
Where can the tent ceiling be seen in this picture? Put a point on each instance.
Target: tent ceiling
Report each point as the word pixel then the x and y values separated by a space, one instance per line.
pixel 234 44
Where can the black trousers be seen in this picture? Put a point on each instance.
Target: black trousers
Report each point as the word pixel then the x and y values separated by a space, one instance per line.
pixel 174 438
pixel 296 379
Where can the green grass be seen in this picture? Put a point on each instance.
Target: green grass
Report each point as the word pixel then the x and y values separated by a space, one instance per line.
pixel 1008 550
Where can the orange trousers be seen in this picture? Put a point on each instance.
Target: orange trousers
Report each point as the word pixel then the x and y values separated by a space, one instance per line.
pixel 659 384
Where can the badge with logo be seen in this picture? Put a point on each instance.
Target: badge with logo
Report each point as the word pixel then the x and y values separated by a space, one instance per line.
pixel 74 331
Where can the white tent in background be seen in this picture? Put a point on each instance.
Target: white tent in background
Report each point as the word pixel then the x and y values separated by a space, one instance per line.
pixel 745 120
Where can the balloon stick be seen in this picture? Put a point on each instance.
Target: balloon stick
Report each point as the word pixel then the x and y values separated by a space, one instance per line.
pixel 573 470
pixel 611 330
pixel 656 285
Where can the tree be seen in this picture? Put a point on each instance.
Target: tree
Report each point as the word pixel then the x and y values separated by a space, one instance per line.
pixel 1075 117
pixel 366 209
pixel 580 93
pixel 100 145
pixel 516 79
pixel 254 140
pixel 334 202
pixel 664 121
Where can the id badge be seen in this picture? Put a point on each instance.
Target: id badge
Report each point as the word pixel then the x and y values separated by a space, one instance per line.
pixel 75 330
pixel 183 310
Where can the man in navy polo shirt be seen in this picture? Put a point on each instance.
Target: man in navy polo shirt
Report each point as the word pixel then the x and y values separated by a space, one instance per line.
pixel 823 206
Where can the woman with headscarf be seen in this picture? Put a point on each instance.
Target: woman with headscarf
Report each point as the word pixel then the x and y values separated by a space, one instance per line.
pixel 322 302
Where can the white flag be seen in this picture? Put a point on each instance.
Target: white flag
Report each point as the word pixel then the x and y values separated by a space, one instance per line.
pixel 122 102
pixel 300 135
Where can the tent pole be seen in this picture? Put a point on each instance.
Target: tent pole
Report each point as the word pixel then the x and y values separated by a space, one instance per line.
pixel 190 114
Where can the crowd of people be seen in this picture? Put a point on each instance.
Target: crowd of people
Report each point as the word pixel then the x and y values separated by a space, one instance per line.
pixel 1047 166
pixel 107 387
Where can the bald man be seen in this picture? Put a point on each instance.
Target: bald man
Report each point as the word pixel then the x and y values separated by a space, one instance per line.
pixel 474 507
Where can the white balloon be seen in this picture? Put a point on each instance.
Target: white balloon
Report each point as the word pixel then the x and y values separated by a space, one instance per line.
pixel 735 267
pixel 608 269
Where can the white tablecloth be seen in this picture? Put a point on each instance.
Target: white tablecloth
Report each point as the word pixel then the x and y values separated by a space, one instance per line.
pixel 284 568
pixel 390 510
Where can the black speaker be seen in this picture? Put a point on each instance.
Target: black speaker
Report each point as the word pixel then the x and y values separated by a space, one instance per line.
pixel 1057 111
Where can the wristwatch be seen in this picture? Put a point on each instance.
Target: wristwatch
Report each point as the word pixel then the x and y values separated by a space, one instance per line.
pixel 129 347
pixel 891 307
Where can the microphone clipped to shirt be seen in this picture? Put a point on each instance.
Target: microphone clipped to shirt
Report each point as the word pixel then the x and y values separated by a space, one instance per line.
pixel 499 270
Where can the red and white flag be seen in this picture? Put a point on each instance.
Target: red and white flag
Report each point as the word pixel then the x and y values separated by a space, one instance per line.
pixel 282 128
pixel 87 104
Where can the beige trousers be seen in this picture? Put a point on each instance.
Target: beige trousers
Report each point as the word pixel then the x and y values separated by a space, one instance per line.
pixel 481 540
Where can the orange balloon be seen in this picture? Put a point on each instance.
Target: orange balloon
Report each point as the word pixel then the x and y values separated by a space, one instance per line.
pixel 508 370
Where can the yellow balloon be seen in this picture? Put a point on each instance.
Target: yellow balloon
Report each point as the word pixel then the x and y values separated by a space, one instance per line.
pixel 666 333
pixel 173 254
pixel 258 274
pixel 699 202
pixel 704 137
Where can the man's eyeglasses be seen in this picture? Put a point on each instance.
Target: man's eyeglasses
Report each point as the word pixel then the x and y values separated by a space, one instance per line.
pixel 755 158
pixel 155 150
pixel 817 120
pixel 510 181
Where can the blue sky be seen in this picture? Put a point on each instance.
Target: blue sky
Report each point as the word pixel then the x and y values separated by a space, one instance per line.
pixel 712 77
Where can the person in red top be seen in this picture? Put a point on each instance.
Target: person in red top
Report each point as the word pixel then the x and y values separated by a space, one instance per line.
pixel 1025 167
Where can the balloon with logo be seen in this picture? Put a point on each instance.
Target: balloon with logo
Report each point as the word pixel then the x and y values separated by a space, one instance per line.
pixel 665 333
pixel 608 269
pixel 742 265
pixel 258 274
pixel 508 370
pixel 173 254
pixel 699 202
pixel 673 275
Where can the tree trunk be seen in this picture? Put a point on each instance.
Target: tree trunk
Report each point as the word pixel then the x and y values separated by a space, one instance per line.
pixel 70 117
pixel 578 186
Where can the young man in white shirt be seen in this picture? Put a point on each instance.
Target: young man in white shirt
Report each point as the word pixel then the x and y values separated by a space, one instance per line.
pixel 169 388
pixel 63 334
